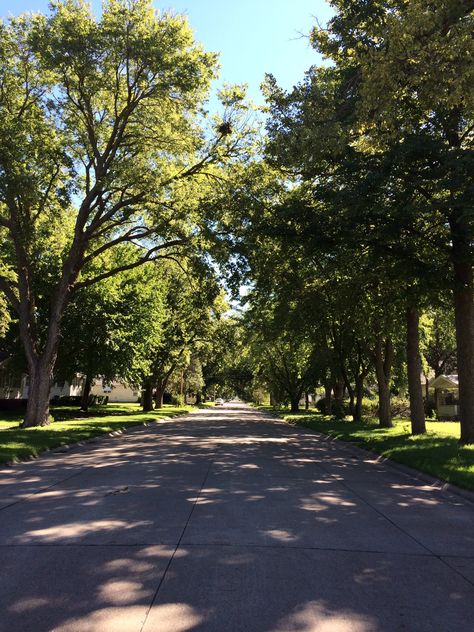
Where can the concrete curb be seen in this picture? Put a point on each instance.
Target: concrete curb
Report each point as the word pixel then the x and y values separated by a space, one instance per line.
pixel 432 481
pixel 68 447
pixel 435 483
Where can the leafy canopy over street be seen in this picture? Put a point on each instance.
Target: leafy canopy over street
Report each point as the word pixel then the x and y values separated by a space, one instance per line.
pixel 130 217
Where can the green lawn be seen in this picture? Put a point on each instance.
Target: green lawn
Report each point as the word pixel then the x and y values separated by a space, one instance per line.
pixel 16 443
pixel 437 452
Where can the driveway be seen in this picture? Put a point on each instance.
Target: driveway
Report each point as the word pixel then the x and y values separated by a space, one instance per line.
pixel 227 520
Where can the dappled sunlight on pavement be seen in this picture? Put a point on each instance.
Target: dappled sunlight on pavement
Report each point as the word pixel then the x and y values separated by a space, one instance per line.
pixel 228 520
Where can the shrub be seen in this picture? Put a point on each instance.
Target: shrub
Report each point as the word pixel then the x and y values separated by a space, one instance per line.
pixel 321 406
pixel 338 409
pixel 13 404
pixel 430 409
pixel 370 407
pixel 400 407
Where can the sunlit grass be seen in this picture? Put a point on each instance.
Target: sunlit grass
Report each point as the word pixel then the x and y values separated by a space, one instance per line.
pixel 207 405
pixel 437 452
pixel 18 443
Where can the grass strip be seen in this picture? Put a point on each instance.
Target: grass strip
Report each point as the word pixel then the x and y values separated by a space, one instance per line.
pixel 437 452
pixel 20 443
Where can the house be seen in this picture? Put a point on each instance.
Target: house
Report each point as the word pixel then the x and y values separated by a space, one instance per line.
pixel 10 381
pixel 10 385
pixel 116 391
pixel 445 393
pixel 14 386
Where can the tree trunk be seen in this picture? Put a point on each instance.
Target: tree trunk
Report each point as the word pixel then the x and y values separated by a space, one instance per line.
pixel 198 398
pixel 464 318
pixel 295 403
pixel 86 391
pixel 352 396
pixel 327 399
pixel 147 396
pixel 40 379
pixel 427 386
pixel 417 410
pixel 306 400
pixel 383 370
pixel 339 399
pixel 159 393
pixel 352 404
pixel 182 396
pixel 359 393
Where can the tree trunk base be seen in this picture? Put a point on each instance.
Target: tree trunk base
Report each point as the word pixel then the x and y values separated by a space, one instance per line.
pixel 37 409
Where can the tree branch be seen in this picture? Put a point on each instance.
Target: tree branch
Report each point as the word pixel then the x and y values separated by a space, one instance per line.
pixel 149 256
pixel 7 289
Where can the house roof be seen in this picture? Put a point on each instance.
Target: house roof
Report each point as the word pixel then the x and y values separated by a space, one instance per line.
pixel 445 381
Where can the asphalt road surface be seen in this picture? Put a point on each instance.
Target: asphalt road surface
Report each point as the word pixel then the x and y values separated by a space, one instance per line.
pixel 228 520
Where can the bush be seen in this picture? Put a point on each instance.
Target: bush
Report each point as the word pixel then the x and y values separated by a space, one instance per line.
pixel 67 400
pixel 370 407
pixel 430 409
pixel 321 406
pixel 13 404
pixel 400 407
pixel 338 410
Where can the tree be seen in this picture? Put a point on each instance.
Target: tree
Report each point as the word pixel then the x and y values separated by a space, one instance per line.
pixel 5 317
pixel 412 73
pixel 188 380
pixel 440 347
pixel 364 191
pixel 99 130
pixel 108 327
pixel 191 301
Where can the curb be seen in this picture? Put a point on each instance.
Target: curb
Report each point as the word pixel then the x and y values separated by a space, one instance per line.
pixel 436 483
pixel 67 447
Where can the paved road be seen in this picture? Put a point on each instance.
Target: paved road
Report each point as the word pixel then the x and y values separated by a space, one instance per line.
pixel 224 521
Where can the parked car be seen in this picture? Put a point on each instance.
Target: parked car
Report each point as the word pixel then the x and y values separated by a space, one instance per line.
pixel 219 401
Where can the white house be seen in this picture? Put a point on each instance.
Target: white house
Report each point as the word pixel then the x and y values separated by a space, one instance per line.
pixel 445 390
pixel 14 387
pixel 116 391
pixel 10 385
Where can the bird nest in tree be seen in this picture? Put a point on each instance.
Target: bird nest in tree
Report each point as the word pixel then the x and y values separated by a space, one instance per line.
pixel 225 128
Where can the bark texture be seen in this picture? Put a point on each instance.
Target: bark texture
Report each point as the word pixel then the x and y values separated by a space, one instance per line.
pixel 383 370
pixel 86 391
pixel 417 409
pixel 464 317
pixel 159 393
pixel 338 407
pixel 295 403
pixel 40 379
pixel 327 399
pixel 147 397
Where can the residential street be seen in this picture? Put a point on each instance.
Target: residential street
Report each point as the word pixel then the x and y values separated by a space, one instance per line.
pixel 226 520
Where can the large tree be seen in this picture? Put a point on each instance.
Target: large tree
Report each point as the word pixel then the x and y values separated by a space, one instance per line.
pixel 109 327
pixel 376 188
pixel 410 67
pixel 99 130
pixel 192 300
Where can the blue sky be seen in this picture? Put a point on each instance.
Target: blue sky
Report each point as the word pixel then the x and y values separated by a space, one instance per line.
pixel 252 36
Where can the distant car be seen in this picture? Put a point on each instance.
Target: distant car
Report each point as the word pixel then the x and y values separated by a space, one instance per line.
pixel 219 401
